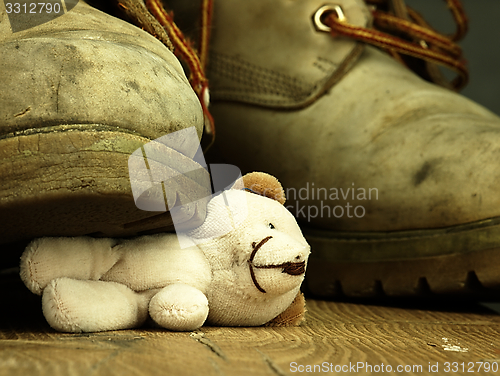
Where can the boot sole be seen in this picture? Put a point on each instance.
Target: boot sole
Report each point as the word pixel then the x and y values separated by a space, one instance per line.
pixel 72 180
pixel 462 260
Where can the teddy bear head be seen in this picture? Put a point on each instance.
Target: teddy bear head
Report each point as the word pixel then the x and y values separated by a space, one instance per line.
pixel 256 251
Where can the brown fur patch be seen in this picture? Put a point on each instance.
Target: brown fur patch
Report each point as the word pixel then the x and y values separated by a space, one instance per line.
pixel 265 185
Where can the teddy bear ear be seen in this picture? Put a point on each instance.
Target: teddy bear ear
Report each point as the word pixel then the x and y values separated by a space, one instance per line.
pixel 265 185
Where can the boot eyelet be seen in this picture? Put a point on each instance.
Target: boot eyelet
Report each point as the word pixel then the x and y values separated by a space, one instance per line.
pixel 319 15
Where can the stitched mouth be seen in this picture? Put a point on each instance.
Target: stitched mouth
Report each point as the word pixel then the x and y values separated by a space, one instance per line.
pixel 290 268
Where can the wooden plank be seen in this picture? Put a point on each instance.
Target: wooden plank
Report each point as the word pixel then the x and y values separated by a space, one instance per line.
pixel 336 333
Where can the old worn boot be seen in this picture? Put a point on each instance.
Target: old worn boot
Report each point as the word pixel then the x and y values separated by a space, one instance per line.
pixel 394 179
pixel 79 94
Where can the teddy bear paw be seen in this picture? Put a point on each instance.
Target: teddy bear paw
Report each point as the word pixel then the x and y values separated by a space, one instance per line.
pixel 71 305
pixel 179 307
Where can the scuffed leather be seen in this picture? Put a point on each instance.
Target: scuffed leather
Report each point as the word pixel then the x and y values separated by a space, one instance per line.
pixel 87 67
pixel 269 53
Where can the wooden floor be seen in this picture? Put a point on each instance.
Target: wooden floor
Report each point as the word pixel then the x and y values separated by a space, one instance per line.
pixel 336 334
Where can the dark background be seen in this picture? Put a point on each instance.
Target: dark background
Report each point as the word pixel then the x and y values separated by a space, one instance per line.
pixel 481 45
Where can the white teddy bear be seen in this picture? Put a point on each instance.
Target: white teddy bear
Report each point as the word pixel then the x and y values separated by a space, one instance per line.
pixel 247 276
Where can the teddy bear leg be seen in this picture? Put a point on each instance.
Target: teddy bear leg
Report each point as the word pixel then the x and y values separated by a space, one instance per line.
pixel 179 307
pixel 45 259
pixel 71 305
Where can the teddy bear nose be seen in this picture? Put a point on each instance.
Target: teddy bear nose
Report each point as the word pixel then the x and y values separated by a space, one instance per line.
pixel 294 268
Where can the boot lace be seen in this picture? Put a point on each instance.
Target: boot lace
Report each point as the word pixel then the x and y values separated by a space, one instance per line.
pixel 195 60
pixel 398 29
pixel 405 35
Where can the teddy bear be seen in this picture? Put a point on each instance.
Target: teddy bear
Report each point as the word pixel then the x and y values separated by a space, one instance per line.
pixel 244 267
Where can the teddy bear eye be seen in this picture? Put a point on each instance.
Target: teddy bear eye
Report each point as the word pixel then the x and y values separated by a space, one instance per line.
pixel 271 226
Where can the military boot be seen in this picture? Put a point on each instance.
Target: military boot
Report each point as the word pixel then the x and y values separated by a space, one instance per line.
pixel 79 94
pixel 393 178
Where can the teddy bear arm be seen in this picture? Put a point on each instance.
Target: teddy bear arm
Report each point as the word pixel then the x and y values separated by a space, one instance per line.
pixel 71 305
pixel 179 307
